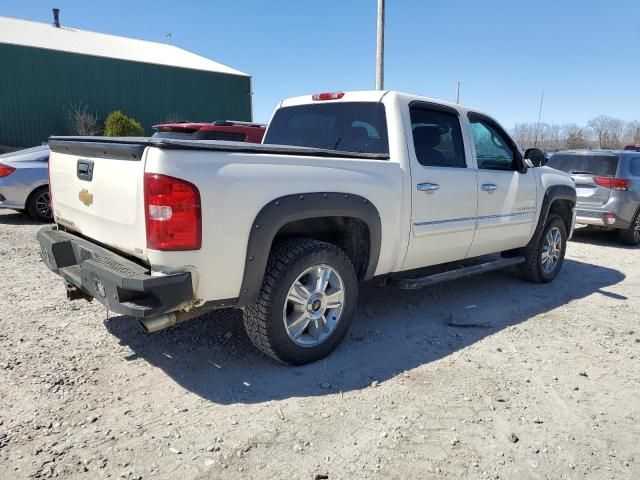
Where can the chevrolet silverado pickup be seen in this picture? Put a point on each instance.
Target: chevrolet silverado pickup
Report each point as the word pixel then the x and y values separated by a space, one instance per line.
pixel 346 187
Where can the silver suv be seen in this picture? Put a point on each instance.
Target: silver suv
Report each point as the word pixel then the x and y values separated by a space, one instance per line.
pixel 607 187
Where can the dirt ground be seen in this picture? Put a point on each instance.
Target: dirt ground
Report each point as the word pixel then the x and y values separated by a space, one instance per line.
pixel 543 382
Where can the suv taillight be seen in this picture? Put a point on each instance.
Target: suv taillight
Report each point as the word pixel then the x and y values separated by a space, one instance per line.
pixel 6 170
pixel 620 184
pixel 172 213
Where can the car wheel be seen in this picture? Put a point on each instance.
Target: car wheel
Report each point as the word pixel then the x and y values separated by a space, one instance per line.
pixel 545 256
pixel 306 303
pixel 39 204
pixel 631 236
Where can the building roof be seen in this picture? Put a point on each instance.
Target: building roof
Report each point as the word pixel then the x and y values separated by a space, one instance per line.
pixel 43 35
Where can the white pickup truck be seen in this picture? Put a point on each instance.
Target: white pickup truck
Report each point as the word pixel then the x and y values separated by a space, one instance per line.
pixel 347 187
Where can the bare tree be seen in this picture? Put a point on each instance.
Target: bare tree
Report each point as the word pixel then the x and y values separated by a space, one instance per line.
pixel 523 134
pixel 608 130
pixel 574 137
pixel 632 132
pixel 81 121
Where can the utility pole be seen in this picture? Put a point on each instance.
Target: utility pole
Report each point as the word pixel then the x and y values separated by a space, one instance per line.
pixel 458 92
pixel 380 48
pixel 535 140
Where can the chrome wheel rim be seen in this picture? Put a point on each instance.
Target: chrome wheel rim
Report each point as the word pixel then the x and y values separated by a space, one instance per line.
pixel 43 205
pixel 551 249
pixel 636 230
pixel 314 305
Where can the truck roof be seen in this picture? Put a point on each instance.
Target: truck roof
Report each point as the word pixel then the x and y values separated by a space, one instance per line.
pixel 374 96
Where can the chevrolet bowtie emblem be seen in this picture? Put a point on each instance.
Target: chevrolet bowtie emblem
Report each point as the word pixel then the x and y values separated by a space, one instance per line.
pixel 85 197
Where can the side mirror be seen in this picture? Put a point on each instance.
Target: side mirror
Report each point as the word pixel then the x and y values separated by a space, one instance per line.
pixel 535 156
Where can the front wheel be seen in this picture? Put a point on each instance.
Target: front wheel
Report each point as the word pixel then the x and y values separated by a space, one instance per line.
pixel 306 303
pixel 545 255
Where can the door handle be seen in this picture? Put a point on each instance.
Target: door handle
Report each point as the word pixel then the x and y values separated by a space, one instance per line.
pixel 489 187
pixel 428 187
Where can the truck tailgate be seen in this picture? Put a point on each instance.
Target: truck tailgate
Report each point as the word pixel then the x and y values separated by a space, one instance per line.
pixel 98 191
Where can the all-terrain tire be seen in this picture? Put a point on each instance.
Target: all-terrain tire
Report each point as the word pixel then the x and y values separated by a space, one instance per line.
pixel 35 205
pixel 264 322
pixel 532 269
pixel 631 235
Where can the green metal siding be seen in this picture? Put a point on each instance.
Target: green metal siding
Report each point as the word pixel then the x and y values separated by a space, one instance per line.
pixel 37 84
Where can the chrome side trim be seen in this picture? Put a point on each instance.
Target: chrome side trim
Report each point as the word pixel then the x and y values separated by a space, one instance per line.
pixel 461 224
pixel 443 226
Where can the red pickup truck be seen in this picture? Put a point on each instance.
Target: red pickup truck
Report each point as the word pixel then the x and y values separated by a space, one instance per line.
pixel 229 130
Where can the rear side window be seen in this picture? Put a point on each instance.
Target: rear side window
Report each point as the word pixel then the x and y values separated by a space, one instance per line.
pixel 599 165
pixel 344 126
pixel 437 138
pixel 634 166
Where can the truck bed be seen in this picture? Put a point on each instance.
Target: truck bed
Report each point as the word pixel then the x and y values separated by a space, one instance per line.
pixel 135 145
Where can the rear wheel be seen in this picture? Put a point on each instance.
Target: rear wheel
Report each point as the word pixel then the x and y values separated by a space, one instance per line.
pixel 39 204
pixel 545 255
pixel 631 236
pixel 306 302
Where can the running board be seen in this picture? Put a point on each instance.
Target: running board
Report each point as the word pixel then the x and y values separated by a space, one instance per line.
pixel 457 270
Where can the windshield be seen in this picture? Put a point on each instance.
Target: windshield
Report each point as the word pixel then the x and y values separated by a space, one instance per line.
pixel 344 126
pixel 599 165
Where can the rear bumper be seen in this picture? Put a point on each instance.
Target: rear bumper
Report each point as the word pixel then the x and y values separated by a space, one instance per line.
pixel 601 217
pixel 121 285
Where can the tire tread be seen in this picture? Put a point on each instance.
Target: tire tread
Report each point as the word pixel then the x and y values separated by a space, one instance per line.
pixel 256 316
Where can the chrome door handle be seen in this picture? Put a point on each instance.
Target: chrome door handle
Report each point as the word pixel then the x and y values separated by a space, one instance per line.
pixel 428 187
pixel 489 187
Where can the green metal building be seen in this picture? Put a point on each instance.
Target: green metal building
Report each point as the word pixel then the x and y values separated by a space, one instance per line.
pixel 46 69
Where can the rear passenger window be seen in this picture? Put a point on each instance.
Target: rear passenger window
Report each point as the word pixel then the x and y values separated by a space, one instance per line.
pixel 437 138
pixel 634 166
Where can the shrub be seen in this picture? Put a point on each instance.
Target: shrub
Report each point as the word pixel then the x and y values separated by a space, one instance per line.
pixel 119 125
pixel 81 121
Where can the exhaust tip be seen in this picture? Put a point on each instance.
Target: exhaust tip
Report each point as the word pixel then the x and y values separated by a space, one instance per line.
pixel 160 322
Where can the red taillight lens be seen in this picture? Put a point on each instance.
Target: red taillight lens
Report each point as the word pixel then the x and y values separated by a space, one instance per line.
pixel 6 170
pixel 172 213
pixel 328 96
pixel 621 184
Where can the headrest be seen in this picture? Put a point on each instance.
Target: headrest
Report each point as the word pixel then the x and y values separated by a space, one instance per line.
pixel 426 137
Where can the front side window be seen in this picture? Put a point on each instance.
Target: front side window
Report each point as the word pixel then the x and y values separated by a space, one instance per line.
pixel 493 150
pixel 437 138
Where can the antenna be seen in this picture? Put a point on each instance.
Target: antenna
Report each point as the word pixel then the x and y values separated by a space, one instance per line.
pixel 458 92
pixel 535 140
pixel 167 37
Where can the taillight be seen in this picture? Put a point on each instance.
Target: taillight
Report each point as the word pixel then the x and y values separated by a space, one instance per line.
pixel 6 170
pixel 328 96
pixel 172 213
pixel 620 184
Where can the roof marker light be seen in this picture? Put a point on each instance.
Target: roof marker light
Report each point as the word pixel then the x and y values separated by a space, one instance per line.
pixel 328 96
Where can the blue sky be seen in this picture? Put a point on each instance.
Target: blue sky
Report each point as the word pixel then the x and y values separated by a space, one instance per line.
pixel 585 55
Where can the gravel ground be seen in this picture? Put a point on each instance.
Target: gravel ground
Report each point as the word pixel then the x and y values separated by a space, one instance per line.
pixel 542 382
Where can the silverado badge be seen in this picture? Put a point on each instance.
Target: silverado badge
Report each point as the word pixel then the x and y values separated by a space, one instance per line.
pixel 85 197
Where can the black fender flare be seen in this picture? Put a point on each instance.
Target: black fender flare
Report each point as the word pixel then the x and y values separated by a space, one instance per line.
pixel 553 193
pixel 301 206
